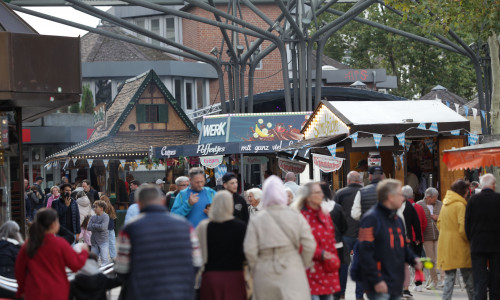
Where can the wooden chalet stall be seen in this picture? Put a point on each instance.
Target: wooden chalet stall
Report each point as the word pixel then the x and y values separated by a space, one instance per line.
pixel 142 116
pixel 404 137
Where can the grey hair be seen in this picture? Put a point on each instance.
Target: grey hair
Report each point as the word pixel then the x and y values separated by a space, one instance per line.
pixel 256 192
pixel 54 187
pixel 289 176
pixel 305 191
pixel 10 230
pixel 354 177
pixel 431 192
pixel 195 171
pixel 222 207
pixel 387 187
pixel 487 180
pixel 148 194
pixel 407 192
pixel 80 194
pixel 181 179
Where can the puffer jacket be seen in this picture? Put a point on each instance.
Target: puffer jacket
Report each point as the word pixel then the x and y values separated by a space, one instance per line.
pixel 431 232
pixel 453 250
pixel 320 281
pixel 8 253
pixel 85 208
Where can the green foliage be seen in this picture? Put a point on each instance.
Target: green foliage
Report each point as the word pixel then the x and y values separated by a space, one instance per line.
pixel 87 100
pixel 74 108
pixel 417 66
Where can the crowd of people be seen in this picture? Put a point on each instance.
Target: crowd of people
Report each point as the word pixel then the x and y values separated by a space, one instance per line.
pixel 283 241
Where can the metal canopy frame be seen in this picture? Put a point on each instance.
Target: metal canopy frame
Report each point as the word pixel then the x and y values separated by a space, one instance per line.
pixel 291 28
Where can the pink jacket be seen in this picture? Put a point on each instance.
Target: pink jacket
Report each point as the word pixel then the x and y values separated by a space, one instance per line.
pixel 85 236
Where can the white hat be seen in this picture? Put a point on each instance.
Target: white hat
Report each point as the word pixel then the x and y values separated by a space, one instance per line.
pixel 159 181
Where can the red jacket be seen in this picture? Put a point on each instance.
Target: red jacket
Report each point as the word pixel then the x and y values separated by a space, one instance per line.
pixel 43 277
pixel 321 282
pixel 422 218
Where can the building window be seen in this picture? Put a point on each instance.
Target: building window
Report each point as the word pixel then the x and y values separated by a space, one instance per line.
pixel 165 27
pixel 141 23
pixel 189 95
pixel 152 113
pixel 170 28
pixel 155 28
pixel 200 93
pixel 178 90
pixel 259 65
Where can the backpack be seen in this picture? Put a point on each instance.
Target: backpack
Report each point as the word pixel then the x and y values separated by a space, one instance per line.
pixel 355 269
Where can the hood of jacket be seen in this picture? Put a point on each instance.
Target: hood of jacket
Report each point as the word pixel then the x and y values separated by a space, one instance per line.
pixel 451 197
pixel 83 201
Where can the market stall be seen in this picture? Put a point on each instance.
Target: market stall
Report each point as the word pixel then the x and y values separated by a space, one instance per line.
pixel 473 157
pixel 406 138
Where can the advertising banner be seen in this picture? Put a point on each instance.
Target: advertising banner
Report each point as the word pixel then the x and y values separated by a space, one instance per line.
pixel 287 165
pixel 211 161
pixel 327 163
pixel 256 160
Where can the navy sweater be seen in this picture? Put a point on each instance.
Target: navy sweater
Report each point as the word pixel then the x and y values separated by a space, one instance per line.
pixel 382 252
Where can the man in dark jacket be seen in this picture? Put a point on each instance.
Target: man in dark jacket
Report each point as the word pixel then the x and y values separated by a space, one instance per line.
pixel 92 194
pixel 41 195
pixel 482 226
pixel 230 182
pixel 134 185
pixel 366 197
pixel 157 252
pixel 67 209
pixel 345 198
pixel 383 251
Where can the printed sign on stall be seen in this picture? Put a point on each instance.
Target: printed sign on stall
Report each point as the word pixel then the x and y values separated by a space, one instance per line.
pixel 211 161
pixel 287 165
pixel 256 160
pixel 327 163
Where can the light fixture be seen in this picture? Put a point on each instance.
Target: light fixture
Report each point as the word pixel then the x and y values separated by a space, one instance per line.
pixel 240 49
pixel 214 51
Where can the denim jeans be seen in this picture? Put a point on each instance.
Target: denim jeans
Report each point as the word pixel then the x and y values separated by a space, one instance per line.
pixel 112 244
pixel 102 250
pixel 377 296
pixel 321 297
pixel 349 243
pixel 449 282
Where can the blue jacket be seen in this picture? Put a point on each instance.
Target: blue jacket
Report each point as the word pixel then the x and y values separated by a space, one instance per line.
pixel 155 257
pixel 193 213
pixel 61 209
pixel 383 250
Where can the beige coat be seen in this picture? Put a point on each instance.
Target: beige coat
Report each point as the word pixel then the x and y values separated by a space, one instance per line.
pixel 271 246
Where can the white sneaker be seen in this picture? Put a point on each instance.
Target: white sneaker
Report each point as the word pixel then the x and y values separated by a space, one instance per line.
pixel 431 286
pixel 417 288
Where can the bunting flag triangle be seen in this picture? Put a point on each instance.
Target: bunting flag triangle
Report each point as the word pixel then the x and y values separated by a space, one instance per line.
pixel 455 132
pixel 457 107
pixel 402 159
pixel 65 164
pixel 354 137
pixel 74 161
pixel 48 166
pixel 430 144
pixel 122 162
pixel 407 145
pixel 466 109
pixel 434 127
pixel 474 112
pixel 483 114
pixel 401 138
pixel 448 104
pixel 377 137
pixel 333 150
pixel 422 126
pixel 105 161
pixel 90 161
pixel 395 160
pixel 295 154
pixel 473 138
pixel 306 155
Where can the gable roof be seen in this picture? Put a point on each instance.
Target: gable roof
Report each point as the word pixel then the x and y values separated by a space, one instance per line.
pixel 441 93
pixel 105 141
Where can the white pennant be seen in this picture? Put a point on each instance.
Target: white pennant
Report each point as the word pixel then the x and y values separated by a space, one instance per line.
pixel 105 161
pixel 90 161
pixel 122 162
pixel 457 107
pixel 74 161
pixel 474 112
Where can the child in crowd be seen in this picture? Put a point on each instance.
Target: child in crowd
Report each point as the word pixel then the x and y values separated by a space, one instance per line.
pixel 85 234
pixel 98 225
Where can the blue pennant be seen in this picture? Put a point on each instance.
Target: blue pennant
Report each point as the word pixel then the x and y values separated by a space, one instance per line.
pixel 466 109
pixel 401 138
pixel 422 126
pixel 455 132
pixel 333 150
pixel 434 127
pixel 354 137
pixel 377 137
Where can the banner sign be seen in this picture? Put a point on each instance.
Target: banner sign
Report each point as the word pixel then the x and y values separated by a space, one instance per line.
pixel 287 165
pixel 255 160
pixel 211 161
pixel 327 163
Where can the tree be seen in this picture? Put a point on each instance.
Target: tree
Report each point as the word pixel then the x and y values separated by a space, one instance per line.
pixel 87 100
pixel 417 66
pixel 74 108
pixel 453 18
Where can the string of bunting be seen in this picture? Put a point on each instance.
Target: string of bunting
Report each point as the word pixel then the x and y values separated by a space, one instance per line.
pixel 467 109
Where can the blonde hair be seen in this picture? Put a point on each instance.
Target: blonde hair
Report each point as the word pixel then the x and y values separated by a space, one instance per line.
pixel 54 187
pixel 110 210
pixel 222 207
pixel 304 193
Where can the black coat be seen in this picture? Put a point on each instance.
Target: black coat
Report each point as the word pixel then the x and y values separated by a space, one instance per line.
pixel 240 208
pixel 482 222
pixel 412 222
pixel 92 287
pixel 340 224
pixel 345 197
pixel 8 254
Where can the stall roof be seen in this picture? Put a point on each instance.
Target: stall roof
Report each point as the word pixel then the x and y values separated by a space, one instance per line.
pixel 393 112
pixel 471 157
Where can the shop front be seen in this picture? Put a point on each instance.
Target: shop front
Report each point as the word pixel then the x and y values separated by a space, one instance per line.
pixel 406 138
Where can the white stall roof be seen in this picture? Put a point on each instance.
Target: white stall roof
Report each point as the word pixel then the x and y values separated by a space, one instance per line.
pixel 396 112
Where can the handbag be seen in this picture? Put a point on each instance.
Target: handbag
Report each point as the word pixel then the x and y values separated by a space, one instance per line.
pixel 331 265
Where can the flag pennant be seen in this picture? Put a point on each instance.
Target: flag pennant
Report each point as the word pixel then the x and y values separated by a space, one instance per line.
pixel 354 137
pixel 74 161
pixel 377 137
pixel 48 166
pixel 307 153
pixel 473 138
pixel 333 150
pixel 474 112
pixel 430 144
pixel 402 159
pixel 105 161
pixel 295 154
pixel 395 160
pixel 122 162
pixel 90 161
pixel 401 138
pixel 457 107
pixel 483 114
pixel 65 164
pixel 407 145
pixel 448 104
pixel 466 109
pixel 455 132
pixel 422 126
pixel 434 127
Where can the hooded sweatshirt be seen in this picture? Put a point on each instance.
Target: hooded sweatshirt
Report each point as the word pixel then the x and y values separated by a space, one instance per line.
pixel 84 207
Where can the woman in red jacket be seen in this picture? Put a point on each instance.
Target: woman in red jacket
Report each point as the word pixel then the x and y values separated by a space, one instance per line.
pixel 324 274
pixel 40 265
